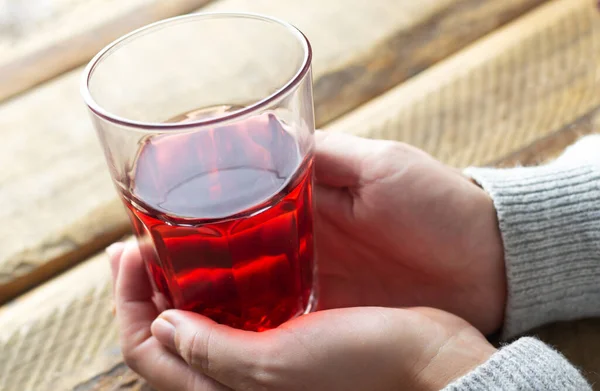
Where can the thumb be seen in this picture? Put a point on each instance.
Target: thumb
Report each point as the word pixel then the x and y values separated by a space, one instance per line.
pixel 228 355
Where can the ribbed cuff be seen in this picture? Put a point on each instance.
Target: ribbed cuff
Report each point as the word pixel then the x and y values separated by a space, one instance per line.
pixel 550 224
pixel 526 364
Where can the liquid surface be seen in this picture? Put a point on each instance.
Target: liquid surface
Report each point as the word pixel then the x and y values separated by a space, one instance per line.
pixel 224 217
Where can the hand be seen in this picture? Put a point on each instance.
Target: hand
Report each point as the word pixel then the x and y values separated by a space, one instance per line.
pixel 396 228
pixel 346 349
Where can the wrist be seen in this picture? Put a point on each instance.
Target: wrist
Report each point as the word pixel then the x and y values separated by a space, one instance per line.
pixel 550 235
pixel 488 253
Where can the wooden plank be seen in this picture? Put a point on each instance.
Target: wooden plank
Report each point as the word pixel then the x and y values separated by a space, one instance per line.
pixel 74 340
pixel 487 54
pixel 60 203
pixel 62 332
pixel 551 146
pixel 521 83
pixel 391 41
pixel 127 380
pixel 41 39
pixel 56 294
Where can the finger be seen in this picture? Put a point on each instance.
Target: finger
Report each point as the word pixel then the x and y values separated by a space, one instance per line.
pixel 135 313
pixel 165 371
pixel 114 252
pixel 228 355
pixel 344 160
pixel 133 295
pixel 338 159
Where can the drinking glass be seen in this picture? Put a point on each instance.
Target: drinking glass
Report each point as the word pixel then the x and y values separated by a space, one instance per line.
pixel 206 122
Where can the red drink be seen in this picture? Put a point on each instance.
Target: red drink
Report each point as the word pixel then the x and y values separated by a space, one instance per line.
pixel 224 218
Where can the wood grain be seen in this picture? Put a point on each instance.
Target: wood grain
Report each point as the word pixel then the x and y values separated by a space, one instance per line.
pixel 61 205
pixel 391 40
pixel 54 295
pixel 41 39
pixel 515 86
pixel 127 380
pixel 559 98
pixel 549 147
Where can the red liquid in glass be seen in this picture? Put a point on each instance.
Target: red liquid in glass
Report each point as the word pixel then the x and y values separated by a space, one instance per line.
pixel 224 219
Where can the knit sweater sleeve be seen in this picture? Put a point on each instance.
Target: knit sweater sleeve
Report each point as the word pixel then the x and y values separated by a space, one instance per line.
pixel 525 365
pixel 549 219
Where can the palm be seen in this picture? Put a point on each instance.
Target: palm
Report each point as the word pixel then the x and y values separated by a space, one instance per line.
pixel 396 228
pixel 310 344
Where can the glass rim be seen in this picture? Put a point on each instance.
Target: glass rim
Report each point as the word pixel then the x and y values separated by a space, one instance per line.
pixel 242 113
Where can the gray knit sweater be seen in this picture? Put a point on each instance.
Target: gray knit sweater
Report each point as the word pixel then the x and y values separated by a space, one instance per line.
pixel 549 218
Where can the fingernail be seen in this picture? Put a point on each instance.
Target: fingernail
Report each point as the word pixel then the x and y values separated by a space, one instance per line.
pixel 114 248
pixel 164 332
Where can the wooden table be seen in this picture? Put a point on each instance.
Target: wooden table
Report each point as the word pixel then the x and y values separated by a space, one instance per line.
pixel 487 82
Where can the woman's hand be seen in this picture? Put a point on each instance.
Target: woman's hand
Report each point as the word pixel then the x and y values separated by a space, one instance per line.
pixel 396 228
pixel 345 349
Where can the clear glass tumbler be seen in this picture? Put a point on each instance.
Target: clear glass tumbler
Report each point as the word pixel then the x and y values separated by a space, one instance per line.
pixel 206 121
